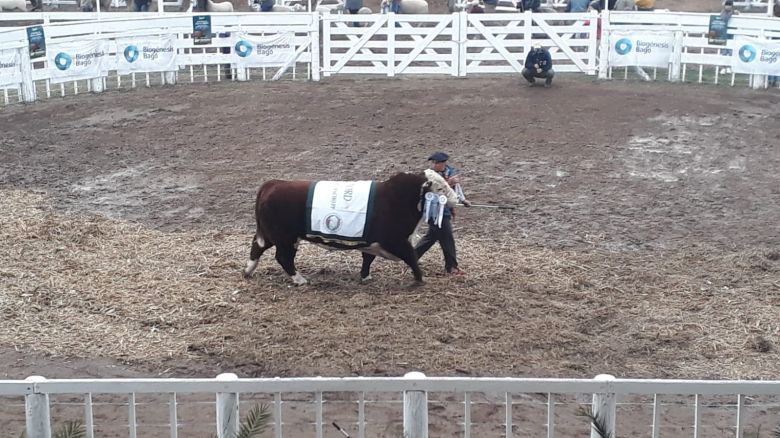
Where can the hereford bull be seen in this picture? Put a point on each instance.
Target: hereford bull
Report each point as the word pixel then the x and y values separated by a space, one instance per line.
pixel 281 215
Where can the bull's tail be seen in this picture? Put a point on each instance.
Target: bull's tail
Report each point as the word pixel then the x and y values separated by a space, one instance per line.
pixel 260 242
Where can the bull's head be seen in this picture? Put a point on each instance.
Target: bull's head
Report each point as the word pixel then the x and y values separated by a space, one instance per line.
pixel 436 183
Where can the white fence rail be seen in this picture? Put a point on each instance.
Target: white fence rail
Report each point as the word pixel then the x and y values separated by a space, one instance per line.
pixel 694 58
pixel 208 62
pixel 457 44
pixel 612 399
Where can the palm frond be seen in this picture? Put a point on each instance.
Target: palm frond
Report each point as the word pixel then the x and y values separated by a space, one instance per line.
pixel 776 432
pixel 597 422
pixel 255 422
pixel 71 429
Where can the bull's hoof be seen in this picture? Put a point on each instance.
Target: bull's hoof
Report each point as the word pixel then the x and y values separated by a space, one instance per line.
pixel 366 279
pixel 246 275
pixel 299 280
pixel 416 283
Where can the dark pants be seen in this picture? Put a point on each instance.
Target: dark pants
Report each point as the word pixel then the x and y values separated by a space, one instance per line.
pixel 445 238
pixel 529 75
pixel 354 12
pixel 141 6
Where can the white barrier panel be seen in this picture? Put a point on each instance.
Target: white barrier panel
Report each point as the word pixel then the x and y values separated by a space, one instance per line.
pixel 146 54
pixel 756 57
pixel 264 51
pixel 10 68
pixel 645 49
pixel 77 60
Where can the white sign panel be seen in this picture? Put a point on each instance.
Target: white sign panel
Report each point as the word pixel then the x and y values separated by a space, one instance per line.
pixel 10 69
pixel 758 57
pixel 268 51
pixel 145 54
pixel 78 60
pixel 643 49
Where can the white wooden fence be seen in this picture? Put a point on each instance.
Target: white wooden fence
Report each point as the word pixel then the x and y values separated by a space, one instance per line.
pixel 606 396
pixel 457 44
pixel 211 62
pixel 694 59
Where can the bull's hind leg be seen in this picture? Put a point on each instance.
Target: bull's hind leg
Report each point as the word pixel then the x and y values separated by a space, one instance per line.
pixel 259 246
pixel 285 255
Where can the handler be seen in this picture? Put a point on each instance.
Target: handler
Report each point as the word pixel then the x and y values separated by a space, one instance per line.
pixel 444 234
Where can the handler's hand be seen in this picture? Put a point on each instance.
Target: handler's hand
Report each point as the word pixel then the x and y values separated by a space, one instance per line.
pixel 467 203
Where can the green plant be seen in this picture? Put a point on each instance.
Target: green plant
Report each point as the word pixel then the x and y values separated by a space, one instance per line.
pixel 71 429
pixel 254 423
pixel 776 432
pixel 597 422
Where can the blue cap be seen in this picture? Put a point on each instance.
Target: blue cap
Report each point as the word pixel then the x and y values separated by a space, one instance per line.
pixel 439 156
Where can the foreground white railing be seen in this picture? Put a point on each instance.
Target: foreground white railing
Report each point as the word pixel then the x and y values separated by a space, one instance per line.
pixel 415 388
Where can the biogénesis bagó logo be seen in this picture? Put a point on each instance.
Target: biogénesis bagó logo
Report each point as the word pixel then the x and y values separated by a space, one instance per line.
pixel 243 48
pixel 149 53
pixel 64 61
pixel 747 53
pixel 624 46
pixel 131 53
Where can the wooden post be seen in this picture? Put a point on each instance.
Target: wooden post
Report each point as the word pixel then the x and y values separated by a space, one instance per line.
pixel 415 410
pixel 604 407
pixel 314 34
pixel 227 410
pixel 29 94
pixel 604 43
pixel 677 56
pixel 37 412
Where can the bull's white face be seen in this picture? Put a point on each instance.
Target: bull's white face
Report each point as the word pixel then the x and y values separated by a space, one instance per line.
pixel 440 186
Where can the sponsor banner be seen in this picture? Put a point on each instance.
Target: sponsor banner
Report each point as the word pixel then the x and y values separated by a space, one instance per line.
pixel 757 57
pixel 145 54
pixel 266 51
pixel 719 30
pixel 78 60
pixel 10 68
pixel 201 29
pixel 643 49
pixel 37 41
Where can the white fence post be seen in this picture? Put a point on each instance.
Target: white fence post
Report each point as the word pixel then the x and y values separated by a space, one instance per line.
pixel 677 56
pixel 314 34
pixel 415 410
pixel 603 44
pixel 227 410
pixel 29 94
pixel 36 408
pixel 462 39
pixel 604 407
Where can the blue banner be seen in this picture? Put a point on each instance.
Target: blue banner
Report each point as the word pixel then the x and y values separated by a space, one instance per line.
pixel 37 41
pixel 201 29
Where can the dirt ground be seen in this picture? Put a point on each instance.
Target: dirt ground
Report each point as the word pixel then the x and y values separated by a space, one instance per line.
pixel 644 243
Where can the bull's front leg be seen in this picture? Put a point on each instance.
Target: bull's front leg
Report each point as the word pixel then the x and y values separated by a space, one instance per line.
pixel 285 255
pixel 365 270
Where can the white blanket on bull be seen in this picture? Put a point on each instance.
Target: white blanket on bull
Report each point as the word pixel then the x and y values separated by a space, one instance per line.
pixel 338 212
